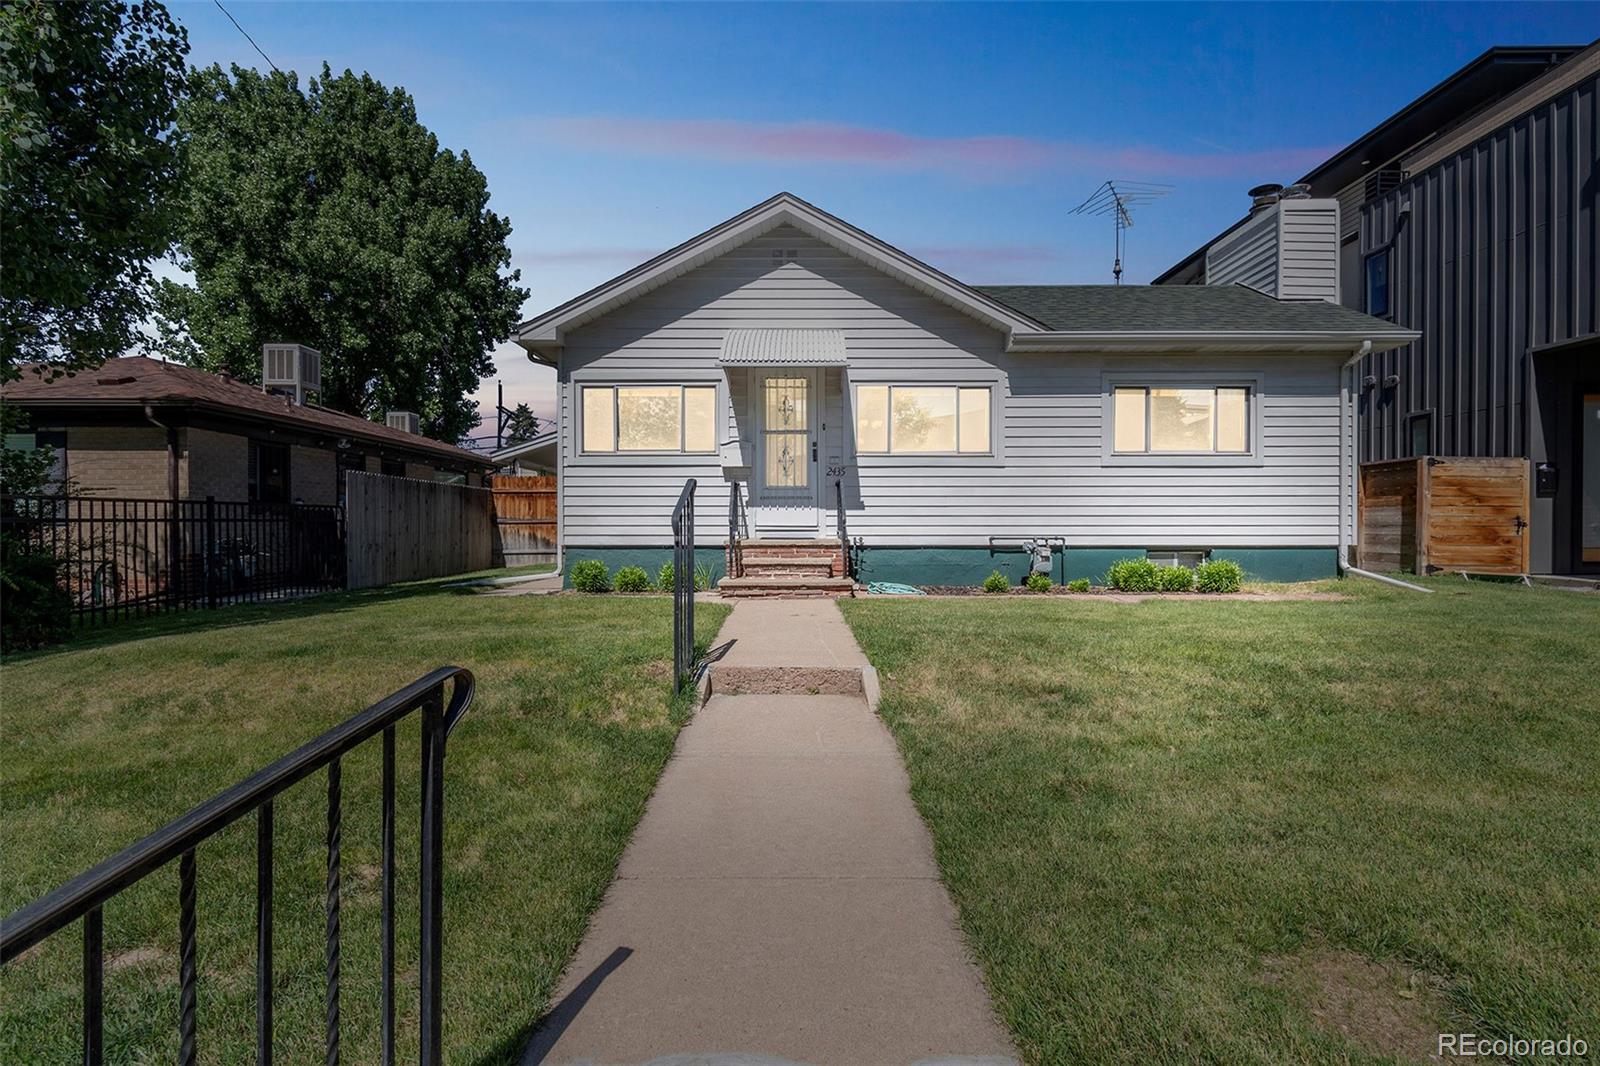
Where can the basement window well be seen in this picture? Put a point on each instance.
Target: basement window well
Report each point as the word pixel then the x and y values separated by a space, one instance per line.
pixel 1185 557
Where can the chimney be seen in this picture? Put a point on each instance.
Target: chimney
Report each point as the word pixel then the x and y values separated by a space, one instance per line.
pixel 405 421
pixel 1253 252
pixel 290 370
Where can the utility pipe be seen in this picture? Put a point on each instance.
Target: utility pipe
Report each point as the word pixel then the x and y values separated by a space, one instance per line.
pixel 1385 579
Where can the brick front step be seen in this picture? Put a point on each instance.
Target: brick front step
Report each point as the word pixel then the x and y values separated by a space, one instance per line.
pixel 772 566
pixel 785 586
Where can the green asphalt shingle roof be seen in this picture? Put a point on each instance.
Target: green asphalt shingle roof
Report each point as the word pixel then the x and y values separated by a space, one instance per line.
pixel 1179 309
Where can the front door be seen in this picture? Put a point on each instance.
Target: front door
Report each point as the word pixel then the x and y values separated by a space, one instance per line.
pixel 785 496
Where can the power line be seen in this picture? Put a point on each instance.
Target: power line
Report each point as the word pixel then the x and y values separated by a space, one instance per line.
pixel 247 36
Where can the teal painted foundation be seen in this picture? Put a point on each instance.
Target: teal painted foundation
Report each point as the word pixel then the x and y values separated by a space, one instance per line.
pixel 648 558
pixel 969 566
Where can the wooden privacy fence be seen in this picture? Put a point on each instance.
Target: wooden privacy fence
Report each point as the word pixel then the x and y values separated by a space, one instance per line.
pixel 525 519
pixel 402 529
pixel 1444 514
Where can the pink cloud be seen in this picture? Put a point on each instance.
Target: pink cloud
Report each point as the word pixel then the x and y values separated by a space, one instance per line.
pixel 585 256
pixel 835 143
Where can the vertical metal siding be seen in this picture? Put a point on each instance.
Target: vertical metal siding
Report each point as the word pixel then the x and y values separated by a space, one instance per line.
pixel 1499 255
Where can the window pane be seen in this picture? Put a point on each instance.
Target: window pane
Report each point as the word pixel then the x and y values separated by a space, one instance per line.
pixel 787 465
pixel 598 428
pixel 924 419
pixel 649 418
pixel 1180 420
pixel 1232 418
pixel 787 400
pixel 1127 417
pixel 974 420
pixel 872 418
pixel 700 420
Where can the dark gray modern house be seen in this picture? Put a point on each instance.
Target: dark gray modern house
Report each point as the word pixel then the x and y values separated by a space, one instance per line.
pixel 1473 216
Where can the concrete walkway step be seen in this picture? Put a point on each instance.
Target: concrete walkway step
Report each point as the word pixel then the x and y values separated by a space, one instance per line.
pixel 790 680
pixel 785 586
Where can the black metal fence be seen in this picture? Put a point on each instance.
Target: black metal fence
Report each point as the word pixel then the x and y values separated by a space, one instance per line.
pixel 683 586
pixel 84 897
pixel 126 558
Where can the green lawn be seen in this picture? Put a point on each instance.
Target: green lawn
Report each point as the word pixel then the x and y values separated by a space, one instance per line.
pixel 1262 832
pixel 110 737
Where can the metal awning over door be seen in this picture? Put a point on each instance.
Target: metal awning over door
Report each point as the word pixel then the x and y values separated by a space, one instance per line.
pixel 783 347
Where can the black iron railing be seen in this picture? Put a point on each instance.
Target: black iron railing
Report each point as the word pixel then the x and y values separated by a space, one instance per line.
pixel 683 586
pixel 85 896
pixel 737 530
pixel 126 558
pixel 844 535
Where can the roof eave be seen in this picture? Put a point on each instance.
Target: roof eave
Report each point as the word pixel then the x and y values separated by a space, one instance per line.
pixel 1173 341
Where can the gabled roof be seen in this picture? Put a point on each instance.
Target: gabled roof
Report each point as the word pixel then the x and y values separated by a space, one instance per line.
pixel 1036 318
pixel 784 209
pixel 136 380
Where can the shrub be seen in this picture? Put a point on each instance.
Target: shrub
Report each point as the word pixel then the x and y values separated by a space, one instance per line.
pixel 666 576
pixel 1080 584
pixel 704 577
pixel 38 610
pixel 1134 575
pixel 996 582
pixel 591 575
pixel 632 579
pixel 1038 583
pixel 1219 575
pixel 1176 579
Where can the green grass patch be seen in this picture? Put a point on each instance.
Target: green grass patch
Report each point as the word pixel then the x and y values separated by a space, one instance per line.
pixel 112 736
pixel 1176 831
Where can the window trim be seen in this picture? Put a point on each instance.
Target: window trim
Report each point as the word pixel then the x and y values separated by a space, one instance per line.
pixel 718 417
pixel 253 471
pixel 1387 252
pixel 1110 382
pixel 991 452
pixel 1425 415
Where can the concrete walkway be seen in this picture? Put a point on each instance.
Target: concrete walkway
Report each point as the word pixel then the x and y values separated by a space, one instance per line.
pixel 779 901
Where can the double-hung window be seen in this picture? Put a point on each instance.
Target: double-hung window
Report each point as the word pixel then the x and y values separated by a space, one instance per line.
pixel 1181 420
pixel 922 420
pixel 1379 303
pixel 650 418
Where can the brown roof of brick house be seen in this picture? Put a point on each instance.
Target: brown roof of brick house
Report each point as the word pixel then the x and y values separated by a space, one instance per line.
pixel 140 380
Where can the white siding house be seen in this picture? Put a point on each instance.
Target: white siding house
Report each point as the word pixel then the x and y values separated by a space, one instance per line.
pixel 796 360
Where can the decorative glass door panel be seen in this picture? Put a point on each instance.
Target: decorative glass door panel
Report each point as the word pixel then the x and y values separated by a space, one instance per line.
pixel 786 497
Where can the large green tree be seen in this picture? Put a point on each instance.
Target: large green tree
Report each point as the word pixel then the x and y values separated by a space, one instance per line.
pixel 89 166
pixel 331 216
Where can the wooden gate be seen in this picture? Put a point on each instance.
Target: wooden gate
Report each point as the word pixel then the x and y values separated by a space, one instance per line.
pixel 525 519
pixel 1445 514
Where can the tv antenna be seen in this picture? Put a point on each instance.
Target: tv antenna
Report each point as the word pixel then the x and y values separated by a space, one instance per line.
pixel 1115 198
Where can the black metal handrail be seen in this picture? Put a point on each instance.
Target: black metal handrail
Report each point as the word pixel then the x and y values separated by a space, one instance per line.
pixel 683 586
pixel 85 895
pixel 736 530
pixel 844 535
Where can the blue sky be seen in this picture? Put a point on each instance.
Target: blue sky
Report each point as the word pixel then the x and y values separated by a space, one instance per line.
pixel 964 133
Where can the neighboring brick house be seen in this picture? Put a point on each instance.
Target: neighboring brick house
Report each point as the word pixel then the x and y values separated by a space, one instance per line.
pixel 141 428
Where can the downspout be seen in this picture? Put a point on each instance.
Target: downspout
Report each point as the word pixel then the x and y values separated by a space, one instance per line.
pixel 1350 471
pixel 172 451
pixel 174 529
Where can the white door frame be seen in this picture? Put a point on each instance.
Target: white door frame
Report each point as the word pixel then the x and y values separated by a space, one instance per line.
pixel 791 512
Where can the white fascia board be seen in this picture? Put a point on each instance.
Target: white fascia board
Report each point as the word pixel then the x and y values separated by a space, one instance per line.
pixel 547 329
